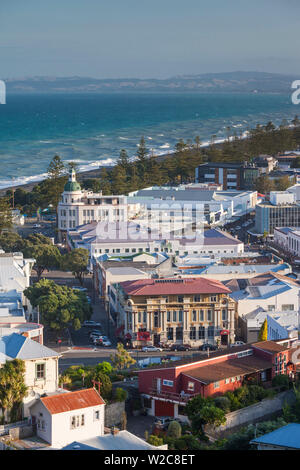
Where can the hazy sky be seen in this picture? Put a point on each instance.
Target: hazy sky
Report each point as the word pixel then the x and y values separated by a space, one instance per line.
pixel 147 38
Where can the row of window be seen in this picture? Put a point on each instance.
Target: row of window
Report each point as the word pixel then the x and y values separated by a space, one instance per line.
pixel 79 420
pixel 203 332
pixel 177 316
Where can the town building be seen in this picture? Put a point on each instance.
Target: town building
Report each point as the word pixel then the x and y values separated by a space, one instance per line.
pixel 281 211
pixel 265 163
pixel 173 310
pixel 285 438
pixel 288 240
pixel 188 205
pixel 33 331
pixel 167 388
pixel 80 207
pixel 123 239
pixel 271 291
pixel 280 324
pixel 41 365
pixel 239 175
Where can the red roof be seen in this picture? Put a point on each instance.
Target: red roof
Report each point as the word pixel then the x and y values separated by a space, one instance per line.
pixel 72 401
pixel 174 286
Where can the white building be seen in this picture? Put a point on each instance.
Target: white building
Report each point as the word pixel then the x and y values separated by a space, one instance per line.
pixel 79 207
pixel 288 238
pixel 41 365
pixel 122 239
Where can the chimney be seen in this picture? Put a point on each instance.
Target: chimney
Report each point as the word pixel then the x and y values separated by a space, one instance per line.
pixel 115 430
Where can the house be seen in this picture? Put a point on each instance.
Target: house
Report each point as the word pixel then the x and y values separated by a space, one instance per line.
pixel 66 417
pixel 167 388
pixel 75 421
pixel 41 365
pixel 285 438
pixel 173 310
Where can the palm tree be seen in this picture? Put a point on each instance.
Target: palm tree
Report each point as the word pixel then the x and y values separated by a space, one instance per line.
pixel 12 386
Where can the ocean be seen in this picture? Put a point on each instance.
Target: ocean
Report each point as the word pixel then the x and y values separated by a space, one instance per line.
pixel 91 129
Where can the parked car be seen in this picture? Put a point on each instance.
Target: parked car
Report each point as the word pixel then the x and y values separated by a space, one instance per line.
pixel 95 332
pixel 163 421
pixel 91 323
pixel 237 343
pixel 206 346
pixel 151 349
pixel 37 226
pixel 82 289
pixel 180 347
pixel 106 343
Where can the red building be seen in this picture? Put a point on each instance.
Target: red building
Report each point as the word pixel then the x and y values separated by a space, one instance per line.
pixel 167 388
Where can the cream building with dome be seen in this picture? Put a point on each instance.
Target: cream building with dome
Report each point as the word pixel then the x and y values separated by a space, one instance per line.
pixel 78 207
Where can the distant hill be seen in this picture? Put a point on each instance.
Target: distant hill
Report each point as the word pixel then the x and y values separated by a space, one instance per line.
pixel 257 82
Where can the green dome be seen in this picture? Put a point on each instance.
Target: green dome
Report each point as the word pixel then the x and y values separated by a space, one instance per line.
pixel 72 186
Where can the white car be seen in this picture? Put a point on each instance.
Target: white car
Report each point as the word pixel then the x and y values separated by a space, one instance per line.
pixel 37 226
pixel 238 343
pixel 106 343
pixel 151 349
pixel 91 323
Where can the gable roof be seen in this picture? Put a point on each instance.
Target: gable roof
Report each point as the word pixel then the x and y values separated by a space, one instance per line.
pixel 79 399
pixel 16 346
pixel 269 346
pixel 174 286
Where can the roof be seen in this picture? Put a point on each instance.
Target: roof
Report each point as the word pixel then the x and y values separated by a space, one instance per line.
pixel 16 346
pixel 174 286
pixel 287 436
pixel 269 346
pixel 124 440
pixel 79 399
pixel 227 369
pixel 72 186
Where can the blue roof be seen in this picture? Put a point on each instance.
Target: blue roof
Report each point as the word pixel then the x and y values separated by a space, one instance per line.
pixel 16 346
pixel 287 436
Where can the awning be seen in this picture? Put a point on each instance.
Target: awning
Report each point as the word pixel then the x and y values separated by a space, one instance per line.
pixel 224 332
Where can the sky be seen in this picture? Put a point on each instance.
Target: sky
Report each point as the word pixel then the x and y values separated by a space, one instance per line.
pixel 147 39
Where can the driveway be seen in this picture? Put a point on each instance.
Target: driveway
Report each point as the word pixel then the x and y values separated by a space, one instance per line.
pixel 139 424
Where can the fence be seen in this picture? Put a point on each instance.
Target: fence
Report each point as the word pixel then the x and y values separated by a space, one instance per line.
pixel 253 413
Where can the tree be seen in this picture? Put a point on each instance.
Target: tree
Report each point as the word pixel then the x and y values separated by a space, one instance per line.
pixel 5 214
pixel 208 414
pixel 105 383
pixel 124 160
pixel 76 261
pixel 120 394
pixel 11 242
pixel 264 184
pixel 155 440
pixel 263 332
pixel 65 379
pixel 55 181
pixel 46 257
pixel 104 367
pixel 12 386
pixel 59 306
pixel 121 359
pixel 119 185
pixel 174 430
pixel 142 158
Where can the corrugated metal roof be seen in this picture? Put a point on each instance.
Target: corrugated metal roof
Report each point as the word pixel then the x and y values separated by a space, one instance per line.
pixel 287 436
pixel 72 401
pixel 174 286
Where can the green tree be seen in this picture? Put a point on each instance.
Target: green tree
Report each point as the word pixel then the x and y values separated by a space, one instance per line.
pixel 119 185
pixel 5 215
pixel 76 261
pixel 46 257
pixel 124 161
pixel 104 367
pixel 12 386
pixel 120 394
pixel 142 154
pixel 59 306
pixel 105 383
pixel 155 440
pixel 55 181
pixel 174 430
pixel 11 242
pixel 264 184
pixel 121 359
pixel 263 332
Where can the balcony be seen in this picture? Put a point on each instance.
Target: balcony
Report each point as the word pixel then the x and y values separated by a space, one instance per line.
pixel 172 396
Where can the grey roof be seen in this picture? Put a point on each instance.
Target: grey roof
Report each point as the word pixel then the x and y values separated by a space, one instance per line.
pixel 16 346
pixel 124 440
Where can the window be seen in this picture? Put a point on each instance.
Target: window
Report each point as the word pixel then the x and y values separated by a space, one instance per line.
pixel 271 308
pixel 180 298
pixel 201 332
pixel 286 307
pixel 97 415
pixel 213 298
pixel 180 318
pixel 168 383
pixel 194 315
pixel 174 315
pixel 193 333
pixel 197 298
pixel 144 317
pixel 168 315
pixel 170 334
pixel 179 333
pixel 209 315
pixel 216 384
pixel 191 386
pixel 224 315
pixel 201 315
pixel 232 379
pixel 210 331
pixel 77 421
pixel 40 371
pixel 82 420
pixel 156 320
pixel 227 381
